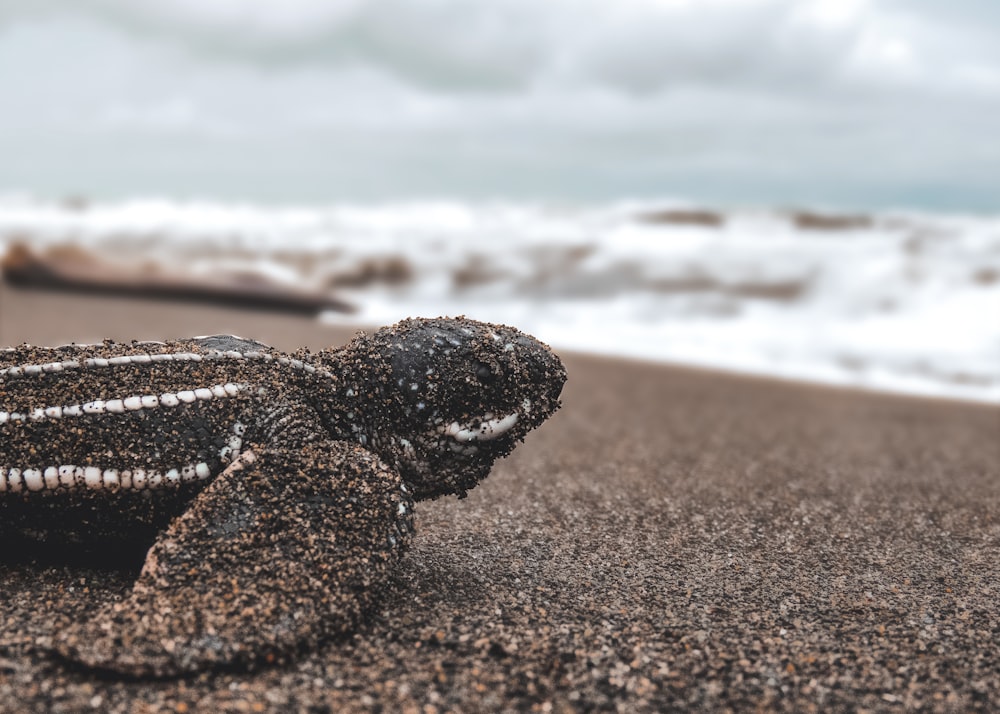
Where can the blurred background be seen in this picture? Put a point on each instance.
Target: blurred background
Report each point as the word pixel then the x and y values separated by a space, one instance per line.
pixel 800 188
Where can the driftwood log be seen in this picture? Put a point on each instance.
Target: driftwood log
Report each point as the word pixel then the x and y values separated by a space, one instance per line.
pixel 72 269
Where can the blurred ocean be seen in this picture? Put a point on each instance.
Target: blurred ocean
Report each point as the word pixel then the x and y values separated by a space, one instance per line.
pixel 906 302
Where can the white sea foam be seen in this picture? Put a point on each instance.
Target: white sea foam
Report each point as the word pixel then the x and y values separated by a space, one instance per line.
pixel 901 302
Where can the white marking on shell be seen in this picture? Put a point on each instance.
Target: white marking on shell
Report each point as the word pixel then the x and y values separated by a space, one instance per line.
pixel 93 477
pixel 67 476
pixel 94 407
pixel 33 369
pixel 115 406
pixel 231 451
pixel 33 479
pixel 133 403
pixel 52 367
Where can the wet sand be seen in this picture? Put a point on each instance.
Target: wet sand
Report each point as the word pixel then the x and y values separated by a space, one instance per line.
pixel 673 538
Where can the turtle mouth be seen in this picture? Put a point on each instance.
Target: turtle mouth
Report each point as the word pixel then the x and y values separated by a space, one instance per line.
pixel 486 428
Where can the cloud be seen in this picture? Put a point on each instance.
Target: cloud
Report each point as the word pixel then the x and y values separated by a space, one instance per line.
pixel 629 45
pixel 631 96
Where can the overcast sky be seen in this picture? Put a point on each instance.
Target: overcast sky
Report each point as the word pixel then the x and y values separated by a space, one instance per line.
pixel 851 103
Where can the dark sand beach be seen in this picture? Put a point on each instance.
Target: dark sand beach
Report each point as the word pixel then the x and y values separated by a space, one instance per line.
pixel 672 539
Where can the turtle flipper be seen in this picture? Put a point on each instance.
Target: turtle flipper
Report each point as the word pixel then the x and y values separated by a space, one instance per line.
pixel 282 549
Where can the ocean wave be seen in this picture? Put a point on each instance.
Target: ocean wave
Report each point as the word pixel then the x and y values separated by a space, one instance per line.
pixel 899 301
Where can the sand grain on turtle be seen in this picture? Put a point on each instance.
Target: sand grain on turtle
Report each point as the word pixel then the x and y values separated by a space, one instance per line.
pixel 276 491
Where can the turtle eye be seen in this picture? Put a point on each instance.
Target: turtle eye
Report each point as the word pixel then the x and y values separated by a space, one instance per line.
pixel 483 373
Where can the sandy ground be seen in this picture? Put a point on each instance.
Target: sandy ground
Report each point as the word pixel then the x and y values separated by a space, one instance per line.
pixel 671 539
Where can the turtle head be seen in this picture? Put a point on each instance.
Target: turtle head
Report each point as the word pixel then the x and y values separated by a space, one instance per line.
pixel 459 394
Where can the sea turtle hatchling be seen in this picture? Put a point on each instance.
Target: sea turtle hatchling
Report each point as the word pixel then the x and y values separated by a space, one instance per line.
pixel 276 490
